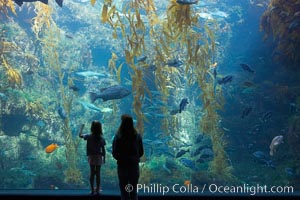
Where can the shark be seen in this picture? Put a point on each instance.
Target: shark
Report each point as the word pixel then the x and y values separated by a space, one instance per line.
pixel 92 107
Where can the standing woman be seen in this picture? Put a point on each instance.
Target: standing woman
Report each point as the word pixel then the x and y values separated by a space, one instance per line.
pixel 95 151
pixel 127 149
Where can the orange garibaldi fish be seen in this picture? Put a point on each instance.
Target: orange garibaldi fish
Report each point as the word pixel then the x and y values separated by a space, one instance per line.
pixel 50 148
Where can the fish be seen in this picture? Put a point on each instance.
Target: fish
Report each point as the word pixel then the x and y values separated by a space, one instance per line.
pixel 262 158
pixel 62 113
pixel 259 155
pixel 90 74
pixel 213 66
pixel 106 110
pixel 174 112
pixel 93 107
pixel 141 59
pixel 20 2
pixel 74 88
pixel 297 14
pixel 187 2
pixel 199 139
pixel 284 14
pixel 50 148
pixel 277 140
pixel 226 129
pixel 248 84
pixel 89 106
pixel 152 67
pixel 204 15
pixel 69 35
pixel 260 5
pixel 219 14
pixel 110 93
pixel 267 116
pixel 246 112
pixel 29 71
pixel 247 68
pixel 174 63
pixel 269 163
pixel 188 163
pixel 294 24
pixel 181 153
pixel 182 104
pixel 215 73
pixel 200 149
pixel 212 15
pixel 289 171
pixel 187 183
pixel 207 153
pixel 226 79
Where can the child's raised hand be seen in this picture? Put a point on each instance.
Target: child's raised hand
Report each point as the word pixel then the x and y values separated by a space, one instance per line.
pixel 81 128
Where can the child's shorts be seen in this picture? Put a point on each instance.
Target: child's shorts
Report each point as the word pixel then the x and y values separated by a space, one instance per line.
pixel 95 160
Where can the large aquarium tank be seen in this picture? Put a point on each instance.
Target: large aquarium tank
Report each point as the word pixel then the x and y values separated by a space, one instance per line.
pixel 213 87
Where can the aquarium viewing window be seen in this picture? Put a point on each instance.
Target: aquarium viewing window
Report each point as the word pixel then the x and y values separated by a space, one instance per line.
pixel 212 87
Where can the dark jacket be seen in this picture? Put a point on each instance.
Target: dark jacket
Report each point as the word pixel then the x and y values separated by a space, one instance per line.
pixel 94 145
pixel 127 151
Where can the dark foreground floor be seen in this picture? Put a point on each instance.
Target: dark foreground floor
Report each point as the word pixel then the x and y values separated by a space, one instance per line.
pixel 83 194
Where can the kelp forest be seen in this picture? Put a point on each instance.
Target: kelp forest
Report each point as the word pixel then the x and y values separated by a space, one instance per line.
pixel 200 93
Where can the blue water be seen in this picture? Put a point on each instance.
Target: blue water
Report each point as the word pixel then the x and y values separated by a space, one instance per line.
pixel 177 151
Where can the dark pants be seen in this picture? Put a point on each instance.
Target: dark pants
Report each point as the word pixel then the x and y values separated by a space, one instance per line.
pixel 128 174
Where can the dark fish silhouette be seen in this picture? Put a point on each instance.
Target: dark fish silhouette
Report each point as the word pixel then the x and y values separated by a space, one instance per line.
pixel 20 2
pixel 199 139
pixel 187 2
pixel 226 79
pixel 181 153
pixel 188 163
pixel 174 112
pixel 289 171
pixel 182 105
pixel 62 113
pixel 267 116
pixel 249 84
pixel 174 63
pixel 262 158
pixel 246 112
pixel 215 73
pixel 74 88
pixel 109 93
pixel 247 68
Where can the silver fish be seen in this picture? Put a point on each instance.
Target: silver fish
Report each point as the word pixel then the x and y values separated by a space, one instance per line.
pixel 275 142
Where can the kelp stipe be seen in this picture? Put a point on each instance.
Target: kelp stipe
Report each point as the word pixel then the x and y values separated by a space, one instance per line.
pixel 48 35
